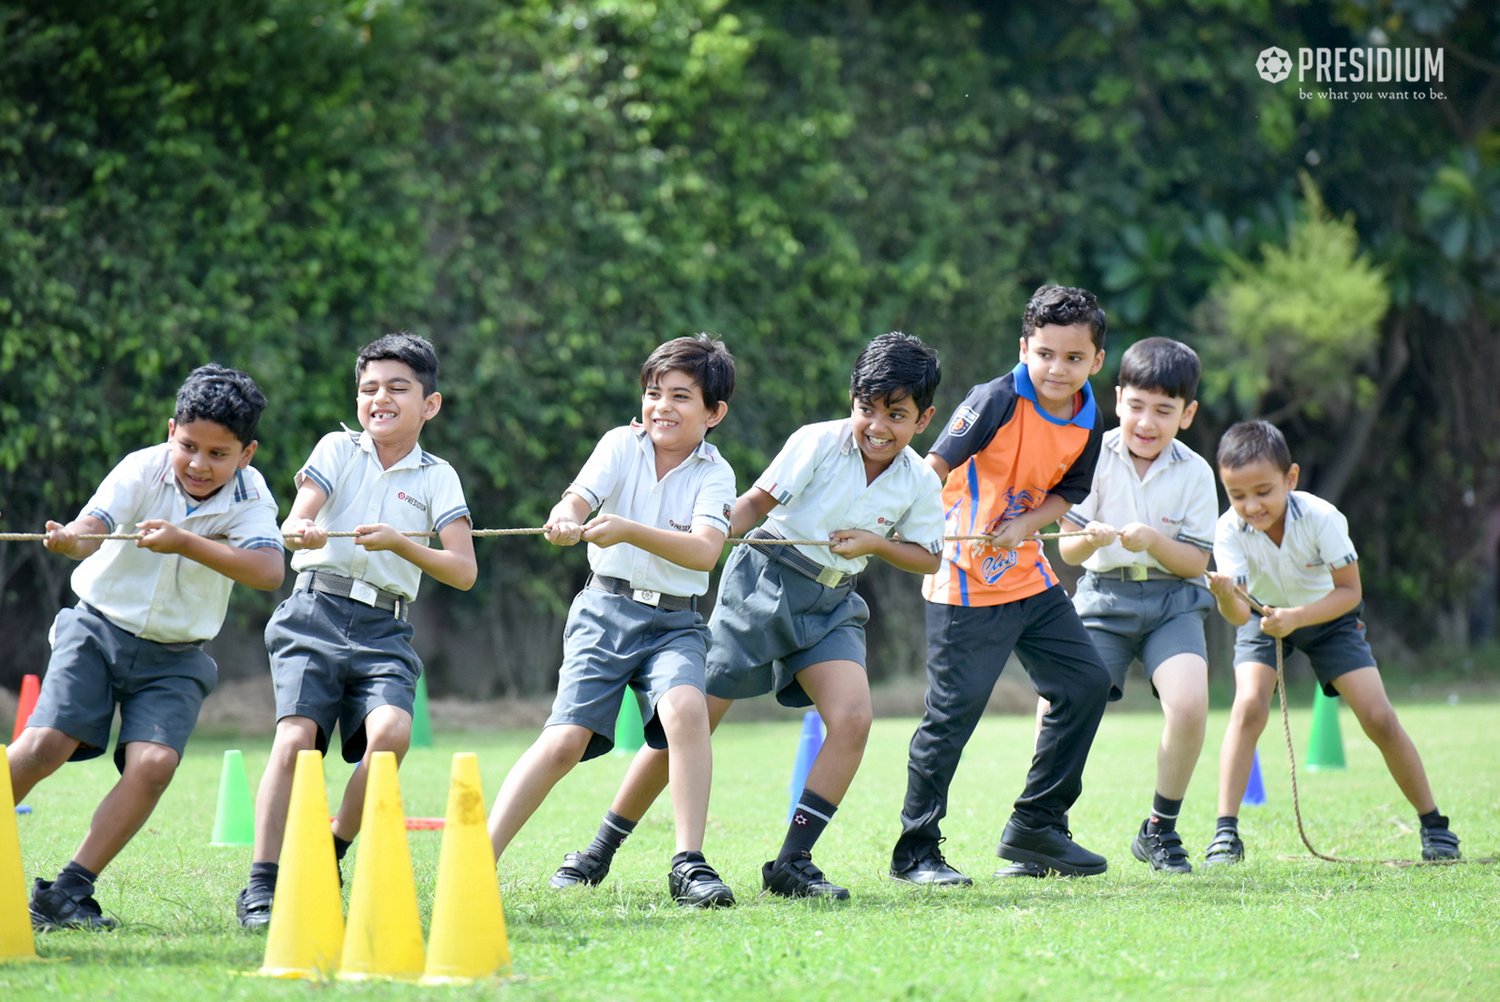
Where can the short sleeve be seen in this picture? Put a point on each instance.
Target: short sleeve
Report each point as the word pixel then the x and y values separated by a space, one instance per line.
pixel 984 411
pixel 1202 509
pixel 923 523
pixel 1334 544
pixel 445 497
pixel 794 466
pixel 1229 551
pixel 715 501
pixel 1078 482
pixel 600 476
pixel 328 457
pixel 253 525
pixel 120 496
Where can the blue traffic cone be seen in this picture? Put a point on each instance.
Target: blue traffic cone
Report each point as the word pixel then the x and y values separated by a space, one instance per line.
pixel 808 747
pixel 1255 789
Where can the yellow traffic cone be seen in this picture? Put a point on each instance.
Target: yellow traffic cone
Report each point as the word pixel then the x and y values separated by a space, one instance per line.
pixel 384 936
pixel 307 923
pixel 468 923
pixel 16 939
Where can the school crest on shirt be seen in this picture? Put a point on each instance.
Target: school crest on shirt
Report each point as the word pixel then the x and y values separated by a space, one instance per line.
pixel 963 420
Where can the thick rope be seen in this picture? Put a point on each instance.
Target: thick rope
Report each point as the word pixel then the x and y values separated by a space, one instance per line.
pixel 36 537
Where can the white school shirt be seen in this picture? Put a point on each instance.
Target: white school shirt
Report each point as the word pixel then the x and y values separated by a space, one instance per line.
pixel 166 597
pixel 620 479
pixel 818 481
pixel 1176 497
pixel 1314 544
pixel 419 493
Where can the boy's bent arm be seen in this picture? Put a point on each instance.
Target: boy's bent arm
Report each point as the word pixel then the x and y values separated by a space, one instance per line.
pixel 1345 597
pixel 698 550
pixel 749 509
pixel 1183 559
pixel 898 552
pixel 1076 549
pixel 1015 531
pixel 299 524
pixel 1233 608
pixel 453 565
pixel 64 538
pixel 262 568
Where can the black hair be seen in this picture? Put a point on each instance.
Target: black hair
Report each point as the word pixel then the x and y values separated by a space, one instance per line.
pixel 701 356
pixel 1163 366
pixel 1065 306
pixel 1252 441
pixel 895 366
pixel 402 346
pixel 225 396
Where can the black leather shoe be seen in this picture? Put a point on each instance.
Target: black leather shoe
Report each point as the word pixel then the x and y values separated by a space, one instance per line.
pixel 55 908
pixel 1033 870
pixel 253 907
pixel 932 870
pixel 799 877
pixel 695 884
pixel 580 868
pixel 1163 850
pixel 1052 847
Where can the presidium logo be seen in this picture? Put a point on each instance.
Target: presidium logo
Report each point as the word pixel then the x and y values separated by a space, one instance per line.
pixel 1387 74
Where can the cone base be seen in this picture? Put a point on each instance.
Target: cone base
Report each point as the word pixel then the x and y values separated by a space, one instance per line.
pixel 1322 767
pixel 371 976
pixel 291 973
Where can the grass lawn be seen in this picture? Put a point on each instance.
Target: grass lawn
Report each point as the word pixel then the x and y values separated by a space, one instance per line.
pixel 1282 925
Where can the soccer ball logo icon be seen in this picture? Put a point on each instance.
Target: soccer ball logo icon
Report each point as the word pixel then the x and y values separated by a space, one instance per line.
pixel 1273 64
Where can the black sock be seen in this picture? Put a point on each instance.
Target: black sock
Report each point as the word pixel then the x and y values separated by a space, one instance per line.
pixel 74 877
pixel 613 831
pixel 808 821
pixel 1163 814
pixel 263 876
pixel 341 846
pixel 691 856
pixel 1432 819
pixel 1228 822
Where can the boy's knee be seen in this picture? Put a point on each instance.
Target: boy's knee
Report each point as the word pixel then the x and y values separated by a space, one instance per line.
pixel 151 765
pixel 683 706
pixel 848 723
pixel 1380 723
pixel 562 745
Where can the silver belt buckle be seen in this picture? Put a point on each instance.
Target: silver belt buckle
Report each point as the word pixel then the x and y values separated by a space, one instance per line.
pixel 830 578
pixel 646 596
pixel 1136 572
pixel 363 591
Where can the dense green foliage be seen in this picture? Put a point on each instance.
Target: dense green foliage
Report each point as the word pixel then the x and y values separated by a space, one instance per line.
pixel 549 189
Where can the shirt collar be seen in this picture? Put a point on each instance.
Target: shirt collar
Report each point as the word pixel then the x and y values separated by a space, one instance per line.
pixel 413 459
pixel 847 445
pixel 1084 418
pixel 704 451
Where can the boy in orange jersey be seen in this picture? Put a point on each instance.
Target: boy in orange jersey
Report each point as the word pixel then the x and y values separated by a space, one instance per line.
pixel 1016 455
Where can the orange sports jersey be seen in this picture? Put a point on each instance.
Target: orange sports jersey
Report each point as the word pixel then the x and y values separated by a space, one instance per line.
pixel 1005 456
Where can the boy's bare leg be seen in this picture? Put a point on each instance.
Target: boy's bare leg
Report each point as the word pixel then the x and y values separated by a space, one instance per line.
pixel 1182 687
pixel 387 728
pixel 684 717
pixel 551 756
pixel 1253 684
pixel 149 768
pixel 841 692
pixel 37 754
pixel 274 796
pixel 1363 690
pixel 647 775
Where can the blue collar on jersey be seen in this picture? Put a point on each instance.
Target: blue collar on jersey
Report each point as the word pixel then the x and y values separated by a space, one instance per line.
pixel 1087 414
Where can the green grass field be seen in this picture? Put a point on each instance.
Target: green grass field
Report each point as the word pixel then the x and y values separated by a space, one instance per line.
pixel 1282 925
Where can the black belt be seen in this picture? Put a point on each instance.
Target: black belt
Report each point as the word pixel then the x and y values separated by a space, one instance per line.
pixel 655 599
pixel 800 562
pixel 1137 572
pixel 360 591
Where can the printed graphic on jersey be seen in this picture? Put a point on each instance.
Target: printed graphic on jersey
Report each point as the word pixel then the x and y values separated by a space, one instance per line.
pixel 963 420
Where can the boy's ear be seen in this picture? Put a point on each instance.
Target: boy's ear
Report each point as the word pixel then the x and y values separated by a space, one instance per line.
pixel 249 452
pixel 1023 349
pixel 925 419
pixel 717 415
pixel 1292 473
pixel 1188 413
pixel 1098 361
pixel 171 428
pixel 432 405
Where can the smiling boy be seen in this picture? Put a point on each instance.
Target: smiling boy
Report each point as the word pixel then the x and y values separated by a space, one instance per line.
pixel 145 610
pixel 788 620
pixel 1016 455
pixel 340 644
pixel 1291 552
pixel 664 497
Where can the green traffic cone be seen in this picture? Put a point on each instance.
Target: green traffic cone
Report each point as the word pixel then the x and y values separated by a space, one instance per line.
pixel 1325 747
pixel 234 819
pixel 421 720
pixel 630 733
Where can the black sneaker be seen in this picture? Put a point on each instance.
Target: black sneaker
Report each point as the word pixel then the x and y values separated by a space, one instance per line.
pixel 580 868
pixel 253 907
pixel 695 884
pixel 798 877
pixel 1049 846
pixel 1439 844
pixel 1163 850
pixel 54 908
pixel 1034 870
pixel 1225 849
pixel 932 870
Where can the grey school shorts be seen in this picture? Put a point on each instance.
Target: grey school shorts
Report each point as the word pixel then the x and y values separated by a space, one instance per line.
pixel 333 660
pixel 611 643
pixel 95 665
pixel 771 622
pixel 1335 648
pixel 1151 620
